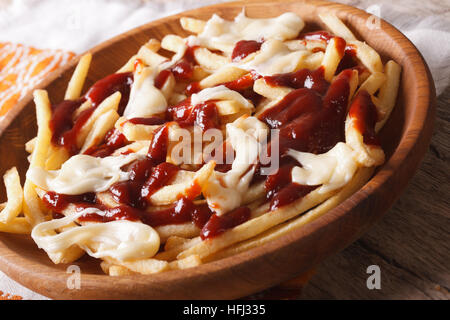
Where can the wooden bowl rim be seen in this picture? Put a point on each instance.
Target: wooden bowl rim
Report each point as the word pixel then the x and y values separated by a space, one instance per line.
pixel 423 113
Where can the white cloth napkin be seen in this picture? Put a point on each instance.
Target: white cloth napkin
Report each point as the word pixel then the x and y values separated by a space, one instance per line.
pixel 79 25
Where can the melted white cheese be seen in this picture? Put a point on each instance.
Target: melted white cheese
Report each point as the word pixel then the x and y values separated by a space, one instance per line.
pixel 274 57
pixel 121 240
pixel 225 191
pixel 192 41
pixel 145 99
pixel 219 93
pixel 222 34
pixel 332 170
pixel 82 173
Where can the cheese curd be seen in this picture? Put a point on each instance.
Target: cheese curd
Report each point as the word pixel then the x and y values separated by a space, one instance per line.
pixel 145 99
pixel 222 34
pixel 274 57
pixel 332 169
pixel 225 191
pixel 122 240
pixel 83 173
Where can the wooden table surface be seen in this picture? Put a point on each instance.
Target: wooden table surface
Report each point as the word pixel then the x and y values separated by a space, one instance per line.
pixel 411 244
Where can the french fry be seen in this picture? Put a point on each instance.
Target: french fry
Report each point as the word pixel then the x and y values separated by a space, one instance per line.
pixel 136 132
pixel 188 262
pixel 208 60
pixel 185 230
pixel 115 270
pixel 76 83
pixel 226 107
pixel 183 176
pixel 353 84
pixel 260 109
pixel 168 86
pixel 174 241
pixel 29 146
pixel 145 266
pixel 190 188
pixel 101 126
pixel 84 106
pixel 363 76
pixel 367 55
pixel 295 45
pixel 254 192
pixel 57 156
pixel 110 103
pixel 221 76
pixel 336 26
pixel 118 271
pixel 129 65
pixel 172 253
pixel 199 73
pixel 331 59
pixel 373 82
pixel 107 199
pixel 14 193
pixel 176 98
pixel 377 102
pixel 261 87
pixel 140 147
pixel 31 205
pixel 192 25
pixel 153 44
pixel 149 57
pixel 19 225
pixel 313 61
pixel 388 92
pixel 68 255
pixel 173 43
pixel 260 210
pixel 105 266
pixel 315 45
pixel 43 115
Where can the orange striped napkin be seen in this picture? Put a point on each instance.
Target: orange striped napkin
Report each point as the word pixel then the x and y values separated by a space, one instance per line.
pixel 8 296
pixel 22 68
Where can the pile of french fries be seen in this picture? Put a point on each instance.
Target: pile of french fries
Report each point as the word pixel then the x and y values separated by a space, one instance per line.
pixel 179 246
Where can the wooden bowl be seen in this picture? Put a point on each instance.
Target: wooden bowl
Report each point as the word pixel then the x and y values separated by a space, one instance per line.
pixel 405 139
